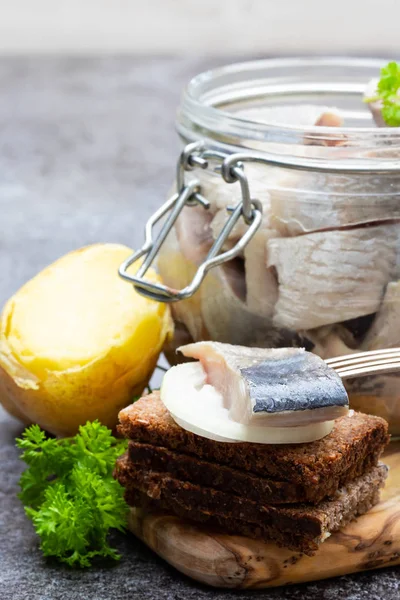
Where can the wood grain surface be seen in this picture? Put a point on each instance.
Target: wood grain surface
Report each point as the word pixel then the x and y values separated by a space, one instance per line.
pixel 370 542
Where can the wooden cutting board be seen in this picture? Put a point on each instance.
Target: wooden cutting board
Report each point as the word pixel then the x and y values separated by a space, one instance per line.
pixel 370 542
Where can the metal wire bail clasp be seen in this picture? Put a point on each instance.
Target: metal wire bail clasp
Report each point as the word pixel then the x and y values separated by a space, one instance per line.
pixel 189 194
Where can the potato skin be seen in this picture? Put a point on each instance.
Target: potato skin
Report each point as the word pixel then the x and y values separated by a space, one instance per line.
pixel 8 397
pixel 99 391
pixel 60 401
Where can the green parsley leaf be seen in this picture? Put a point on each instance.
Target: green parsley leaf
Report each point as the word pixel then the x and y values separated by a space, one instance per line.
pixel 70 494
pixel 389 82
pixel 388 93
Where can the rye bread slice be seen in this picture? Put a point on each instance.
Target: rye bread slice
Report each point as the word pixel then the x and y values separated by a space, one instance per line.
pixel 292 541
pixel 353 439
pixel 299 527
pixel 234 481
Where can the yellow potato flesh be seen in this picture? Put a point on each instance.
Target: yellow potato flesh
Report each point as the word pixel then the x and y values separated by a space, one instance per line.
pixel 77 342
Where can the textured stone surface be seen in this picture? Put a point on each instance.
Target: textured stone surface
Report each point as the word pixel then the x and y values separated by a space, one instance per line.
pixel 87 151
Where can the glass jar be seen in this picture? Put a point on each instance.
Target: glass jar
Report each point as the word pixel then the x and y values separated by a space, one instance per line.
pixel 323 269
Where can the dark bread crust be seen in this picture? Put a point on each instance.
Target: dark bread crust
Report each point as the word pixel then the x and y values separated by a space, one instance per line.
pixel 224 478
pixel 354 438
pixel 301 528
pixel 237 527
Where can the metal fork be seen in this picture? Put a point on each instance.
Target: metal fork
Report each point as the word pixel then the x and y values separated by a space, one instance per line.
pixel 366 363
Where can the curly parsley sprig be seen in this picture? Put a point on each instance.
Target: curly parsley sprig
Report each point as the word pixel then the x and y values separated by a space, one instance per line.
pixel 388 93
pixel 70 494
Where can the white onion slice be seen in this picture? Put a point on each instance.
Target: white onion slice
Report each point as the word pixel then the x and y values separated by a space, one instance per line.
pixel 198 407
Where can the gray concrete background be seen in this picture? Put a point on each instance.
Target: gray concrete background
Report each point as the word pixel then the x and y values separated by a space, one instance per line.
pixel 87 151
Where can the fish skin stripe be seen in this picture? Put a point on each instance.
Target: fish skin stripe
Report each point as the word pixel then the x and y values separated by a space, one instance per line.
pixel 296 383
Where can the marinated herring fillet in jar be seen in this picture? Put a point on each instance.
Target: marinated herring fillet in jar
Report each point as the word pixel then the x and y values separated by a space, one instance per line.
pixel 309 202
pixel 384 331
pixel 322 269
pixel 329 277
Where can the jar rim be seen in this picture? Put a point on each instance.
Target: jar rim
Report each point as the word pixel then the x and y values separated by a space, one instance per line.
pixel 201 116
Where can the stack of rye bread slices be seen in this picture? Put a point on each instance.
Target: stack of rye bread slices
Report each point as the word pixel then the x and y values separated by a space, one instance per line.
pixel 293 494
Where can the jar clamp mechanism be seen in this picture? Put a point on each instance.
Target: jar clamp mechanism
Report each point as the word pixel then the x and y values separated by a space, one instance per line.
pixel 231 168
pixel 189 194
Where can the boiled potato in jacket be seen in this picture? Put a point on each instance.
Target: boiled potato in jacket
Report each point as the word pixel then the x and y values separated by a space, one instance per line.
pixel 78 343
